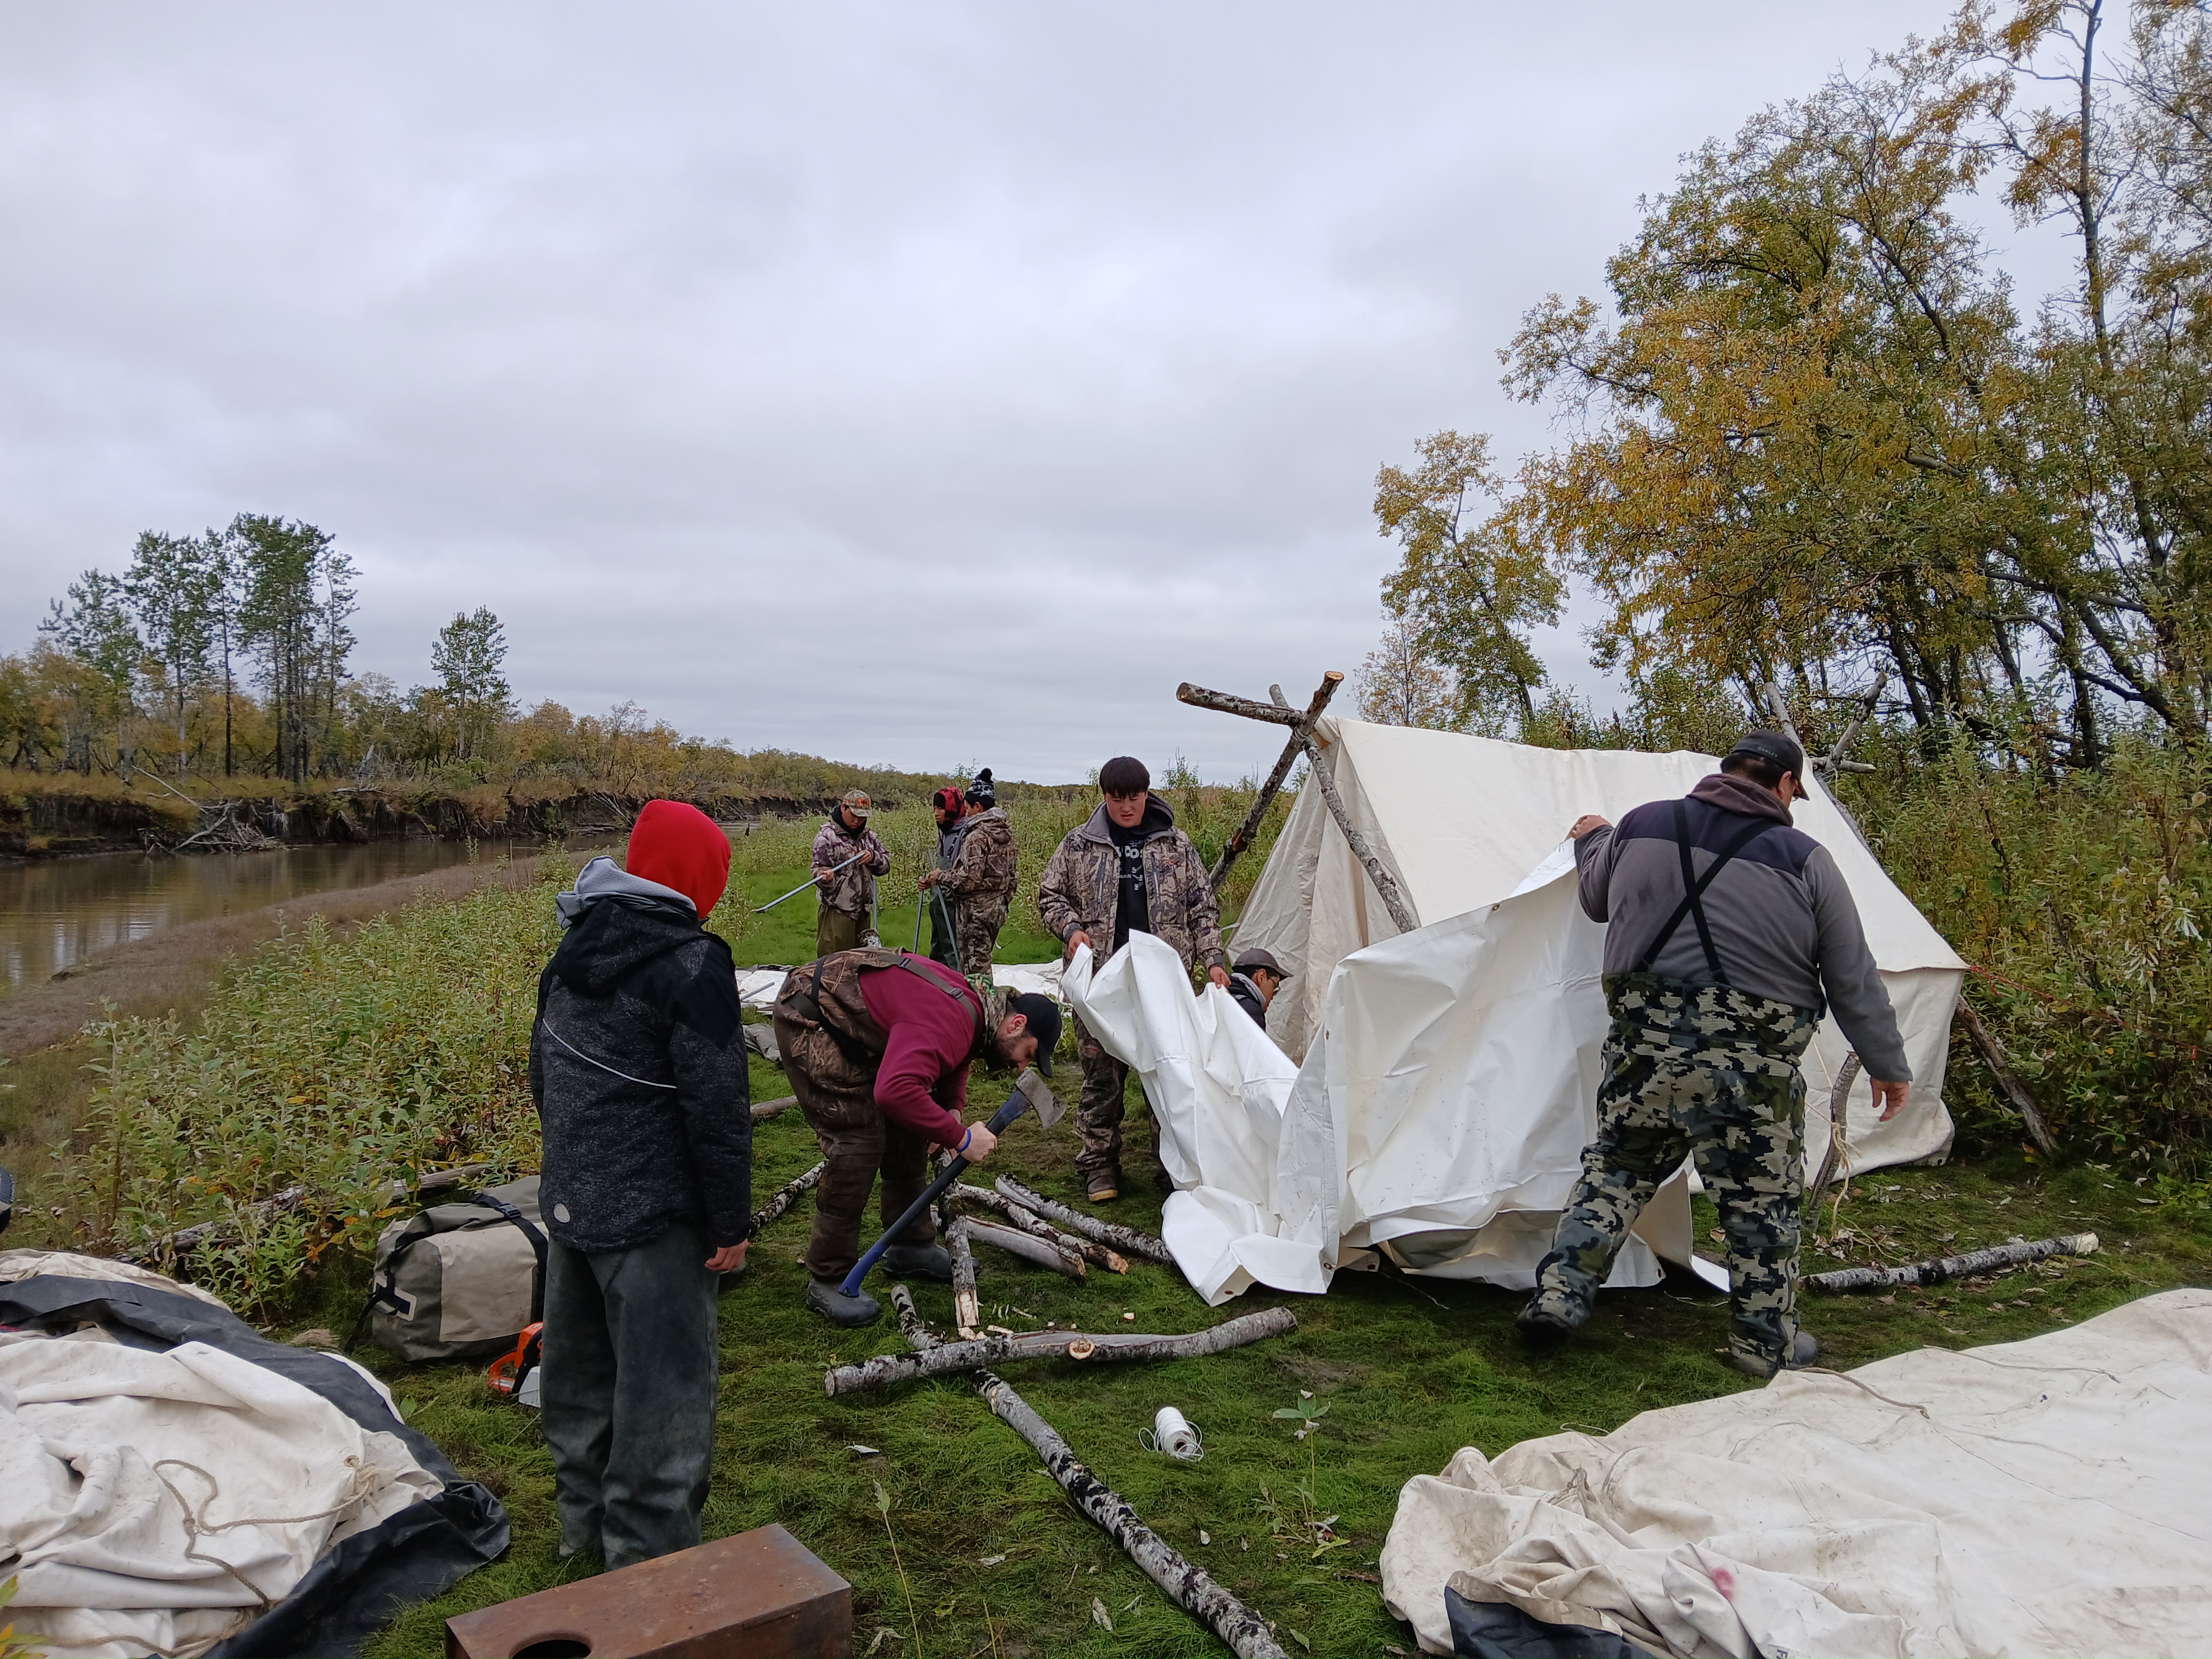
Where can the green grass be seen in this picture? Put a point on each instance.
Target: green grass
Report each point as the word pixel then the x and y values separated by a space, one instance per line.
pixel 1410 1369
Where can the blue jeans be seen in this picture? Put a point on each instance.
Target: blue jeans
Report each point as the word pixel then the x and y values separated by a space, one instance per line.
pixel 631 1358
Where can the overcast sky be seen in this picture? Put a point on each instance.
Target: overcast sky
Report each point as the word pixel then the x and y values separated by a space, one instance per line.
pixel 913 383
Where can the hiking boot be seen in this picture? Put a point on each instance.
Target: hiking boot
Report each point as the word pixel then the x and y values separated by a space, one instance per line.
pixel 918 1261
pixel 852 1312
pixel 1803 1351
pixel 1103 1187
pixel 1544 1328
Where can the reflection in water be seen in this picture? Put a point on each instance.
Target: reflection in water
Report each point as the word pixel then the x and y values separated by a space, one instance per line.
pixel 56 913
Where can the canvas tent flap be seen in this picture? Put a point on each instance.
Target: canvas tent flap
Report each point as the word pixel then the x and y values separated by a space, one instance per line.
pixel 1463 822
pixel 188 1412
pixel 2047 1497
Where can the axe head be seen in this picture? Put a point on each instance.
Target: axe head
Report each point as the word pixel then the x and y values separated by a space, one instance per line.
pixel 1041 1097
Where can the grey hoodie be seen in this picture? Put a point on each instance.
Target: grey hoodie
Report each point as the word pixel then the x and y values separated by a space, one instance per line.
pixel 1783 922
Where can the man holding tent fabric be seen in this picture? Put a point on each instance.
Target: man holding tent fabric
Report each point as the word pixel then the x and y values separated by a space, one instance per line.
pixel 639 1076
pixel 1728 933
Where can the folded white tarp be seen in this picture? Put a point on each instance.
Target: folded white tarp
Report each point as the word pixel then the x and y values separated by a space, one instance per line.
pixel 758 988
pixel 1460 822
pixel 2047 1497
pixel 157 1502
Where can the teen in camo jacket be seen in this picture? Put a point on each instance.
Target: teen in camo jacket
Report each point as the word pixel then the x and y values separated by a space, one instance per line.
pixel 979 885
pixel 1107 879
pixel 843 922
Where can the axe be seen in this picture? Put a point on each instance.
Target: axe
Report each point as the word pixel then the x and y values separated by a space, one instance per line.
pixel 1029 1089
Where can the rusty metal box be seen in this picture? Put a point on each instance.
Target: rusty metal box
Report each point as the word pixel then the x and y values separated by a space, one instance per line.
pixel 759 1593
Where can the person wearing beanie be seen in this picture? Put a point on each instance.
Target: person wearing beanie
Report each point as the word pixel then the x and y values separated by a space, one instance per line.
pixel 878 1045
pixel 1728 932
pixel 638 1074
pixel 848 858
pixel 976 884
pixel 1126 869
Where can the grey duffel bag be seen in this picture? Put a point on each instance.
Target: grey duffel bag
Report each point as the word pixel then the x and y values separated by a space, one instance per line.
pixel 462 1280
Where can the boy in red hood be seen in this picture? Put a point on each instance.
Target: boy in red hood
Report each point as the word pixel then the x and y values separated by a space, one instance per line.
pixel 638 1072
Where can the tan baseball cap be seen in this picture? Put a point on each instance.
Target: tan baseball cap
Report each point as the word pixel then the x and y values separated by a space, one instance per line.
pixel 856 802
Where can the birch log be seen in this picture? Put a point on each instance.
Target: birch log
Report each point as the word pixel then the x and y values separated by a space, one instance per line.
pixel 967 1308
pixel 1190 1588
pixel 1040 1251
pixel 771 1107
pixel 785 1198
pixel 1127 1240
pixel 888 1368
pixel 998 1204
pixel 1953 1266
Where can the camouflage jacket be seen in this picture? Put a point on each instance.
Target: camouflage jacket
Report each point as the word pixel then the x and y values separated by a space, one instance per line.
pixel 853 887
pixel 1082 889
pixel 984 869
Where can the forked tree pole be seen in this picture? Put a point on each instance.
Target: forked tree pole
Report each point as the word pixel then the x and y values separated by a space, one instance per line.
pixel 1279 713
pixel 1291 750
pixel 1190 1588
pixel 1993 1056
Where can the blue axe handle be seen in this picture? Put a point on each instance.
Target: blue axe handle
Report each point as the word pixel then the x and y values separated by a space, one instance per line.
pixel 1015 1106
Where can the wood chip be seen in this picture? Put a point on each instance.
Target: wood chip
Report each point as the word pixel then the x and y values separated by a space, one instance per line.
pixel 1081 1350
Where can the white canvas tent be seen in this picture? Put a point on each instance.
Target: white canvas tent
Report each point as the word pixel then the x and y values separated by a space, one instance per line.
pixel 1445 1078
pixel 1463 822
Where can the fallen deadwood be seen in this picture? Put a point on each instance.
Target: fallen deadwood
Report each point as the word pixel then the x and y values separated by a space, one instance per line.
pixel 1127 1240
pixel 1042 1252
pixel 1994 1057
pixel 784 1197
pixel 771 1107
pixel 1953 1266
pixel 998 1204
pixel 967 1308
pixel 947 1358
pixel 1190 1588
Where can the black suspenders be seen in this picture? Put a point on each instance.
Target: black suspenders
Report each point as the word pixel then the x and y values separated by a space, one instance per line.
pixel 1693 890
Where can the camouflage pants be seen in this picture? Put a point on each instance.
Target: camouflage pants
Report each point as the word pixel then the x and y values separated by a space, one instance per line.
pixel 978 924
pixel 1098 1114
pixel 1706 1071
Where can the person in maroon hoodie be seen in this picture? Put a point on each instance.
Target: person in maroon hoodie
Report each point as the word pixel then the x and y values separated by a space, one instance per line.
pixel 878 1044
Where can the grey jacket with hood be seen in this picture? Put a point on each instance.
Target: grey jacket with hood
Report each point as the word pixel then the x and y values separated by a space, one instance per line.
pixel 638 1071
pixel 1783 923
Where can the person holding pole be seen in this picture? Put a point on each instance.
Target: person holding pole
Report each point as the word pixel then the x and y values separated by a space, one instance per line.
pixel 1728 933
pixel 1127 869
pixel 952 814
pixel 878 1045
pixel 977 883
pixel 847 858
pixel 638 1074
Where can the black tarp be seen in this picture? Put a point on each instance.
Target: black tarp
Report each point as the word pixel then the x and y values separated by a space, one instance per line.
pixel 356 1587
pixel 1498 1630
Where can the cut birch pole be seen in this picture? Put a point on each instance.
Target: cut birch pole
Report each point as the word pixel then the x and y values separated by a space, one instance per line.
pixel 1040 1251
pixel 1993 1056
pixel 1227 703
pixel 784 1197
pixel 966 1307
pixel 998 1204
pixel 1385 882
pixel 1127 1240
pixel 1953 1266
pixel 771 1107
pixel 1291 749
pixel 886 1369
pixel 1191 1587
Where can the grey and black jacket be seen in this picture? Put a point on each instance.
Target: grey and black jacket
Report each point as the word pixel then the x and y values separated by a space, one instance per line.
pixel 639 1072
pixel 1777 920
pixel 1247 993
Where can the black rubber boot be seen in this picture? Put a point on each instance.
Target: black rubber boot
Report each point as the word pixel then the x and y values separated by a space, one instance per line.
pixel 932 1261
pixel 833 1305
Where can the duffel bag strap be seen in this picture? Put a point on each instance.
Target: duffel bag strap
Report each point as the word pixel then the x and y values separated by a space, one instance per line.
pixel 532 1232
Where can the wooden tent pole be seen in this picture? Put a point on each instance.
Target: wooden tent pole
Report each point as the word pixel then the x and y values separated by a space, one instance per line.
pixel 1282 714
pixel 1291 750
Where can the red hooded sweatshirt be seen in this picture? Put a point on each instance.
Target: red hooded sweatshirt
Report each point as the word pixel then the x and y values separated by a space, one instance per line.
pixel 679 846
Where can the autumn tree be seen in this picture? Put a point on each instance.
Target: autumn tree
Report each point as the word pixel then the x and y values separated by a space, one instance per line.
pixel 1470 583
pixel 1400 684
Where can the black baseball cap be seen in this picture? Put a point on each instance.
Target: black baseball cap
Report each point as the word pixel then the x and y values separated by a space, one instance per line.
pixel 1772 746
pixel 1251 959
pixel 1043 1016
